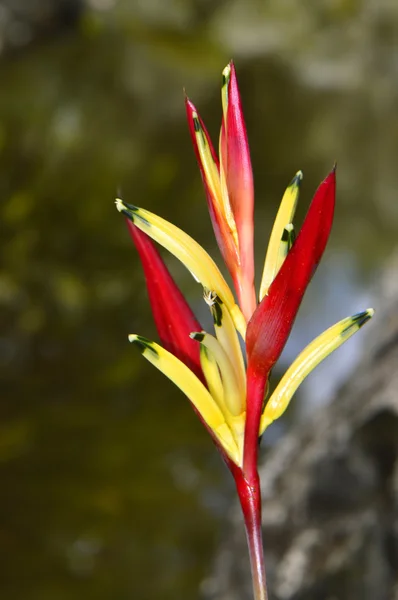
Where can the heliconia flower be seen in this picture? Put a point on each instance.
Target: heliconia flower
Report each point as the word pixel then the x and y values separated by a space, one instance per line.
pixel 225 373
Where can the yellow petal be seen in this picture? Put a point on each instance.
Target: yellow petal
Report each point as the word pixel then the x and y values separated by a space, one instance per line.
pixel 193 388
pixel 209 166
pixel 226 76
pixel 232 395
pixel 311 356
pixel 284 217
pixel 213 377
pixel 285 244
pixel 212 374
pixel 226 205
pixel 189 252
pixel 228 338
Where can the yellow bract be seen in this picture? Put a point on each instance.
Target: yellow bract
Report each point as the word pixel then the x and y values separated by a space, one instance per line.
pixel 206 157
pixel 213 378
pixel 309 358
pixel 219 388
pixel 228 338
pixel 284 218
pixel 189 252
pixel 194 389
pixel 224 90
pixel 216 182
pixel 232 397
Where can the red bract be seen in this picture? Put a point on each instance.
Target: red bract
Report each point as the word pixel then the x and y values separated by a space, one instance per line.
pixel 236 164
pixel 271 323
pixel 172 314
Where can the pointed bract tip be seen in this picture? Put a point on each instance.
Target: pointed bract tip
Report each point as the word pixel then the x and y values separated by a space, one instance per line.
pixel 232 70
pixel 139 343
pixel 189 105
pixel 334 167
pixel 142 343
pixel 363 317
pixel 216 312
pixel 297 179
pixel 226 73
pixel 288 233
pixel 197 335
pixel 120 205
pixel 188 102
pixel 360 319
pixel 124 207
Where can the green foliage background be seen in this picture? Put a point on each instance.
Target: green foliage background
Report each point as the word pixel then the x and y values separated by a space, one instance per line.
pixel 109 486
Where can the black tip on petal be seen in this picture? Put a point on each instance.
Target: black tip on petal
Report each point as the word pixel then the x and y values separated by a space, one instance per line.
pixel 363 317
pixel 128 214
pixel 216 312
pixel 297 179
pixel 198 336
pixel 143 344
pixel 131 207
pixel 196 124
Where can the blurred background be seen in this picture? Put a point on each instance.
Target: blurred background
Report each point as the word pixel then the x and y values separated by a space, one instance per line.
pixel 109 486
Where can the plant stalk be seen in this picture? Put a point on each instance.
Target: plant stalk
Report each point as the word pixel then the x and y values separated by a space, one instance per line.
pixel 249 493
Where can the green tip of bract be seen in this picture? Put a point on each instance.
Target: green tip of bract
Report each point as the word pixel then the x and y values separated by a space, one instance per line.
pixel 297 179
pixel 357 321
pixel 120 205
pixel 216 312
pixel 362 317
pixel 226 74
pixel 288 235
pixel 142 343
pixel 126 209
pixel 310 357
pixel 197 335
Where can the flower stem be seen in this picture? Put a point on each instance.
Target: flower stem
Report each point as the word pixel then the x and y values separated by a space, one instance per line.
pixel 250 499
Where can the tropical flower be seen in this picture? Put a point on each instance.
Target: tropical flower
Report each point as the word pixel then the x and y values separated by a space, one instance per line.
pixel 225 373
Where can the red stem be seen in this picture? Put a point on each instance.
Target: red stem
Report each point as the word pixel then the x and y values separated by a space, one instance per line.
pixel 249 493
pixel 255 391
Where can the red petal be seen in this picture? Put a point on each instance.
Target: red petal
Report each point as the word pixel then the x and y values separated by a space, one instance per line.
pixel 239 177
pixel 172 314
pixel 270 326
